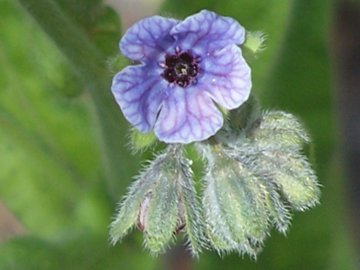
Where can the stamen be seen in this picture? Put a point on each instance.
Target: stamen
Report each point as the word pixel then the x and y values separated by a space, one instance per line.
pixel 180 68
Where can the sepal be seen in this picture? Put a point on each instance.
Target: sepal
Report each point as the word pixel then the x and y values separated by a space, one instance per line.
pixel 253 179
pixel 140 142
pixel 255 41
pixel 162 202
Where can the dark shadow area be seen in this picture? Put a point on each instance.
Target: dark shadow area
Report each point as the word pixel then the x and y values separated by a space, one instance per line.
pixel 345 44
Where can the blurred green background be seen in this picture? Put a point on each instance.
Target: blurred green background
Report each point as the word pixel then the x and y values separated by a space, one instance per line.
pixel 64 156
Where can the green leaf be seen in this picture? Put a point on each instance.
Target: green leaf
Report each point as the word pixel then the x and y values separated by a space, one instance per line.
pixel 46 139
pixel 89 64
pixel 100 23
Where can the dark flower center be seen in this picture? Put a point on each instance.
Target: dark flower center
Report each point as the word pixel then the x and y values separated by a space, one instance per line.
pixel 180 68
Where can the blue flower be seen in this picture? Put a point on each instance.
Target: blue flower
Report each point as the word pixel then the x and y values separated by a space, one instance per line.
pixel 184 69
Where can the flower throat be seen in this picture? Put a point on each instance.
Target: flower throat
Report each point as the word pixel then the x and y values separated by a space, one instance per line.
pixel 180 68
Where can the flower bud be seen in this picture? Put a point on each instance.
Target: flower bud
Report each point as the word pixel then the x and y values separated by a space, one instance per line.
pixel 162 202
pixel 255 41
pixel 253 179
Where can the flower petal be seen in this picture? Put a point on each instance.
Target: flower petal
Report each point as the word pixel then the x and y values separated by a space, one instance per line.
pixel 139 95
pixel 147 38
pixel 206 31
pixel 227 77
pixel 187 115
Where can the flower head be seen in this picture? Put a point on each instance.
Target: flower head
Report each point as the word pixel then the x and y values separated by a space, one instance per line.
pixel 185 68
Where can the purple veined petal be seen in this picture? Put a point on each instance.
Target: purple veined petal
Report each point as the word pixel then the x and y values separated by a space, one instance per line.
pixel 139 95
pixel 147 38
pixel 227 77
pixel 206 31
pixel 187 115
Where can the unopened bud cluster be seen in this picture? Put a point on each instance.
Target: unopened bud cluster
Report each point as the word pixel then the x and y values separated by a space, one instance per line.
pixel 162 202
pixel 255 174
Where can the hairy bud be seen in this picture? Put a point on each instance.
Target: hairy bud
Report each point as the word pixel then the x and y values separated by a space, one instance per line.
pixel 253 180
pixel 161 202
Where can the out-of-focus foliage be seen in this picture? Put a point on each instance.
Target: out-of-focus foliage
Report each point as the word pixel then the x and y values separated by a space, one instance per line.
pixel 63 155
pixel 52 173
pixel 47 140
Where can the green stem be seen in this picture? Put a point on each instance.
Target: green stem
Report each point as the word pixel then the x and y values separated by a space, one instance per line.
pixel 89 65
